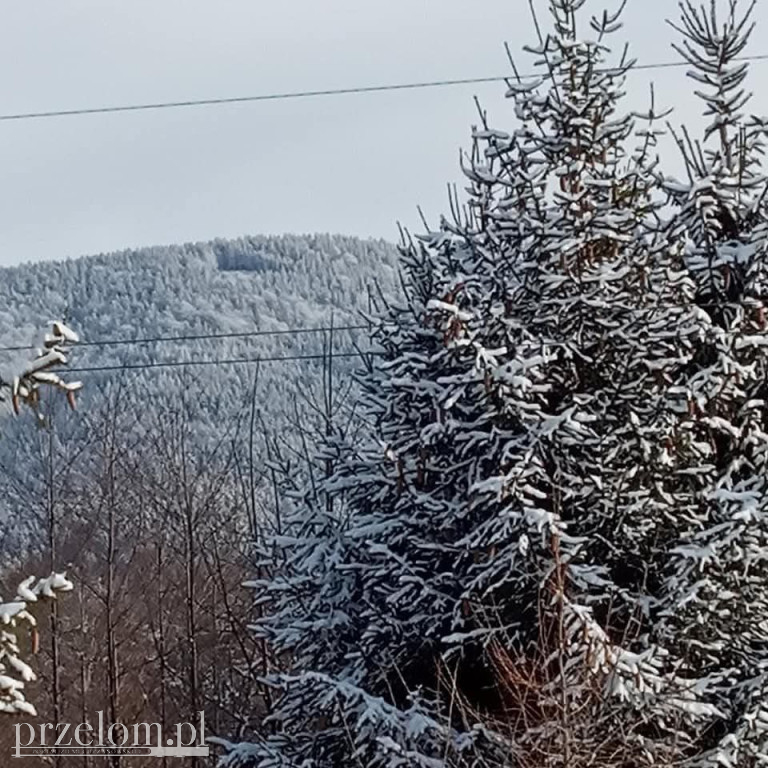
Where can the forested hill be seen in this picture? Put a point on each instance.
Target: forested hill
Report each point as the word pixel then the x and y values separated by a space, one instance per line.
pixel 84 483
pixel 249 284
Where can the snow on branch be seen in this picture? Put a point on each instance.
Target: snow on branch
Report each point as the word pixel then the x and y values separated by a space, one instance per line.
pixel 24 388
pixel 15 616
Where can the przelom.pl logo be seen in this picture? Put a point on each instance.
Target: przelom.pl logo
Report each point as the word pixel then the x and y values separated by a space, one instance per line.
pixel 100 740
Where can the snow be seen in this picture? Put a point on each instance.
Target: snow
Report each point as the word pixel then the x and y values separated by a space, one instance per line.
pixel 14 671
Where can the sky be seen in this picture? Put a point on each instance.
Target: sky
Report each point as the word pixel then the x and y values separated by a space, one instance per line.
pixel 354 164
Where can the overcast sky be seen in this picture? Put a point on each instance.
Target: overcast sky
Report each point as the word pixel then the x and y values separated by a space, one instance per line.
pixel 351 164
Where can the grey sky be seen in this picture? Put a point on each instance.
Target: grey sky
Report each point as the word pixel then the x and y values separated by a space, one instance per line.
pixel 351 164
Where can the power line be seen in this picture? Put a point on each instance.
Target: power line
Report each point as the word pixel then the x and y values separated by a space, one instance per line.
pixel 339 328
pixel 323 92
pixel 322 356
pixel 225 361
pixel 315 356
pixel 198 337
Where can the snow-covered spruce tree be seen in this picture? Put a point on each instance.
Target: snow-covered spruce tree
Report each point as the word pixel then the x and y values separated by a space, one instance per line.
pixel 508 573
pixel 17 614
pixel 716 589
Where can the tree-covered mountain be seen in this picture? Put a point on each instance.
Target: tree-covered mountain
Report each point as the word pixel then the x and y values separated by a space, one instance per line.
pixel 158 480
pixel 252 284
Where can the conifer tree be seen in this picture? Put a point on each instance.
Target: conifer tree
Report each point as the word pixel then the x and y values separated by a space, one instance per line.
pixel 539 556
pixel 714 612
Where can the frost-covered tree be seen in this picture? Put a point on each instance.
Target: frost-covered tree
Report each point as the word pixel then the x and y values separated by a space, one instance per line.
pixel 550 550
pixel 715 597
pixel 16 615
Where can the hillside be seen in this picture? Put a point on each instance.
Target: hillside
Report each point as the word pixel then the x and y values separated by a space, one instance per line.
pixel 252 284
